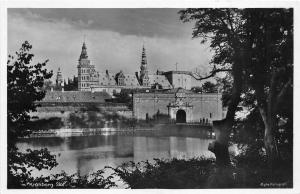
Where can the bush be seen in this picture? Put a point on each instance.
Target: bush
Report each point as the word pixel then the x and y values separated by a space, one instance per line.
pixel 170 174
pixel 65 181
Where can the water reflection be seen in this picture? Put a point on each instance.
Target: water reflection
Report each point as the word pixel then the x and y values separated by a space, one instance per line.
pixel 86 154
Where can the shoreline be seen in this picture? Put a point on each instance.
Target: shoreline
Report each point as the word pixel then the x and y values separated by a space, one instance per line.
pixel 64 132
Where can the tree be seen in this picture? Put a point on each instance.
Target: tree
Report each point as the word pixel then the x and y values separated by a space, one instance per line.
pixel 24 88
pixel 209 87
pixel 255 48
pixel 48 85
pixel 270 73
pixel 197 89
pixel 223 29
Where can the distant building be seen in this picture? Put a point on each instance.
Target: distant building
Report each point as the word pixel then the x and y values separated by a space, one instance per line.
pixel 59 79
pixel 165 95
pixel 75 97
pixel 59 82
pixel 91 80
pixel 87 76
pixel 72 84
pixel 178 105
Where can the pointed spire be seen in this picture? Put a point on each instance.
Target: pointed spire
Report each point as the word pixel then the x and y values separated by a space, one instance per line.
pixel 144 79
pixel 144 58
pixel 83 54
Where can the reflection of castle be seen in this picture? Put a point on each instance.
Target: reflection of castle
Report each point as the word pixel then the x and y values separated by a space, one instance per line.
pixel 90 80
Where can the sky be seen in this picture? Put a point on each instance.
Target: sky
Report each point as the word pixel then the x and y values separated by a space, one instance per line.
pixel 114 39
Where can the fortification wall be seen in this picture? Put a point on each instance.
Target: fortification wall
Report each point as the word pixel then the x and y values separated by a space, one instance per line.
pixel 202 106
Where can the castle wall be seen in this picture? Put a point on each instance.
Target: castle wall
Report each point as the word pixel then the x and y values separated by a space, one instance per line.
pixel 196 106
pixel 150 104
pixel 182 81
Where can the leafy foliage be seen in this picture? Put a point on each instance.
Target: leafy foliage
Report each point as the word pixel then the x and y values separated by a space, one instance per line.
pixel 209 87
pixel 24 87
pixel 249 170
pixel 124 97
pixel 24 83
pixel 171 174
pixel 65 181
pixel 255 49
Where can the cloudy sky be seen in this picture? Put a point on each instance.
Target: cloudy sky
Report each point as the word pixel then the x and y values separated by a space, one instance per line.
pixel 114 38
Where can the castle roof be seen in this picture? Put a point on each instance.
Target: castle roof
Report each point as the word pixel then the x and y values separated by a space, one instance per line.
pixel 75 96
pixel 109 79
pixel 160 79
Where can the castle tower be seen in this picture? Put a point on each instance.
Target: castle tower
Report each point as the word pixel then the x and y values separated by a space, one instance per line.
pixel 84 70
pixel 144 78
pixel 59 78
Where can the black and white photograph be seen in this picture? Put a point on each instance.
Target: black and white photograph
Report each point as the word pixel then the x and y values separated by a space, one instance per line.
pixel 148 97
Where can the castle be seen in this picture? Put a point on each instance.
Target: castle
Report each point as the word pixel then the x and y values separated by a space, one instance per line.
pixel 165 95
pixel 91 80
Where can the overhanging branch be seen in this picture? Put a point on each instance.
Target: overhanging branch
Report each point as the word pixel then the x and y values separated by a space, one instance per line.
pixel 283 91
pixel 212 73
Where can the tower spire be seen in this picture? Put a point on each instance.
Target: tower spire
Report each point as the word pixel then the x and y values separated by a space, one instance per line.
pixel 144 58
pixel 83 54
pixel 144 78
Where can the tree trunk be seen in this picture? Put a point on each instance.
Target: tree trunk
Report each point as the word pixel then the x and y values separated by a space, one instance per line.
pixel 269 139
pixel 223 127
pixel 220 146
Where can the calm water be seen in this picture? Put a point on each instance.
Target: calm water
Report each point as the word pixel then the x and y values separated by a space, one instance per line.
pixel 86 154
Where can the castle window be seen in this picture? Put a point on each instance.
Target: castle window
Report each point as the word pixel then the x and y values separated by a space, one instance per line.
pixel 121 82
pixel 210 115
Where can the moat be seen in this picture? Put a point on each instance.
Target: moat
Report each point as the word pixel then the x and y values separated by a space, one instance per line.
pixel 85 154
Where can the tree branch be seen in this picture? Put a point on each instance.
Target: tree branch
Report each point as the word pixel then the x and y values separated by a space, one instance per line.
pixel 230 20
pixel 283 91
pixel 212 73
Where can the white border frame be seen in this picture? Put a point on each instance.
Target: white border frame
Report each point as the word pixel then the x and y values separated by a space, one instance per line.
pixel 4 4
